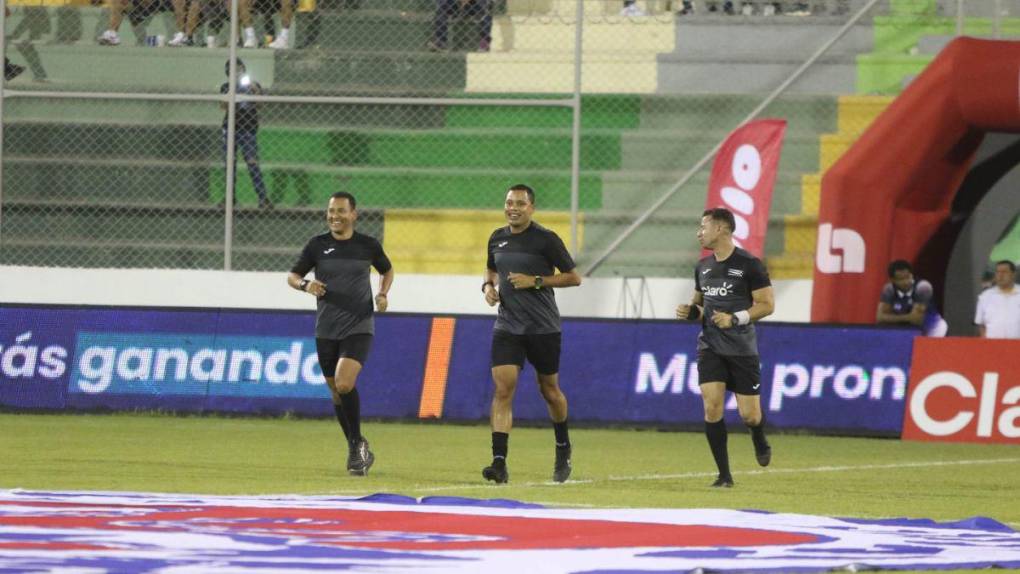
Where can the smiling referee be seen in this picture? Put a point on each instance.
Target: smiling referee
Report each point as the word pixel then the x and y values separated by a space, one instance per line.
pixel 520 276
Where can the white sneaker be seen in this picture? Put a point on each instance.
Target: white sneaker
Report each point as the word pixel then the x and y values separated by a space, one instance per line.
pixel 178 40
pixel 249 38
pixel 280 43
pixel 747 10
pixel 210 41
pixel 769 10
pixel 109 38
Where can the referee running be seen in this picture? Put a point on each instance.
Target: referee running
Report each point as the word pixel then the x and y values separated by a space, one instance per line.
pixel 732 290
pixel 520 276
pixel 343 321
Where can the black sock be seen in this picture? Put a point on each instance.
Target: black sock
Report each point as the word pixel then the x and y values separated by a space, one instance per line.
pixel 500 447
pixel 758 434
pixel 342 419
pixel 716 433
pixel 351 404
pixel 562 434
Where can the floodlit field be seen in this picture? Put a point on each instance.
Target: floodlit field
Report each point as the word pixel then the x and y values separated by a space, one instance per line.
pixel 845 477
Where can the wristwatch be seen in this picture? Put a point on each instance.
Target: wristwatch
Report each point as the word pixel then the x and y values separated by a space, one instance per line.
pixel 304 284
pixel 538 281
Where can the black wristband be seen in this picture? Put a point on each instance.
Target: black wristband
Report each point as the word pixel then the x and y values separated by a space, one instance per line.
pixel 488 283
pixel 693 313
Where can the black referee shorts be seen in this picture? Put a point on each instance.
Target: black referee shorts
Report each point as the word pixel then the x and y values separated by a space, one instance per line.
pixel 542 351
pixel 332 350
pixel 741 373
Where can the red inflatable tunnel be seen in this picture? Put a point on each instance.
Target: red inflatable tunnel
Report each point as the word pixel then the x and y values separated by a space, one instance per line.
pixel 893 189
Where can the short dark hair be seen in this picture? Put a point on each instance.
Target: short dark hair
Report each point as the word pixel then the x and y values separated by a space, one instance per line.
pixel 240 64
pixel 525 189
pixel 1007 262
pixel 899 265
pixel 723 215
pixel 345 195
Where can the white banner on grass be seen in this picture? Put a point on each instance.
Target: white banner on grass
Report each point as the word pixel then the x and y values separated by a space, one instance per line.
pixel 95 531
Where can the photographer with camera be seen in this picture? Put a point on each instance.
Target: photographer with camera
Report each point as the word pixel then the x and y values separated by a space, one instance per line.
pixel 246 127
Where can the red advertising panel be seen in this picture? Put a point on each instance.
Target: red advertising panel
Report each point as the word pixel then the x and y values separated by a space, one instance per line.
pixel 964 390
pixel 743 176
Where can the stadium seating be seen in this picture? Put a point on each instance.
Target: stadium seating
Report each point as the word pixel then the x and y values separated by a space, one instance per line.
pixel 643 125
pixel 906 40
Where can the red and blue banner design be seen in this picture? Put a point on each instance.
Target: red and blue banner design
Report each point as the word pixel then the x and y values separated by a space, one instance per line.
pixel 743 177
pixel 117 532
pixel 264 362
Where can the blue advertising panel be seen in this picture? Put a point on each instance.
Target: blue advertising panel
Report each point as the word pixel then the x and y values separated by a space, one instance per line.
pixel 817 377
pixel 613 371
pixel 192 360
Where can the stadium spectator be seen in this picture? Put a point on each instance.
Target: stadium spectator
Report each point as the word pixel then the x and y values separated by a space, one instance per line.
pixel 264 11
pixel 987 279
pixel 906 301
pixel 520 276
pixel 138 11
pixel 998 307
pixel 216 14
pixel 282 39
pixel 196 8
pixel 479 10
pixel 344 323
pixel 311 27
pixel 726 7
pixel 11 71
pixel 246 129
pixel 732 290
pixel 765 8
pixel 35 22
pixel 631 9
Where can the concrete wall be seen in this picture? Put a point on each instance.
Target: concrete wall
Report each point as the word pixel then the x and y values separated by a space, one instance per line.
pixel 435 294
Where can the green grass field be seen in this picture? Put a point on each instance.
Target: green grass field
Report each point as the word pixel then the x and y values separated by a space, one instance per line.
pixel 843 477
pixel 612 468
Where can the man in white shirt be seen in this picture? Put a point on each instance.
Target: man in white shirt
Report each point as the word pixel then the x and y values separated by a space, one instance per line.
pixel 998 307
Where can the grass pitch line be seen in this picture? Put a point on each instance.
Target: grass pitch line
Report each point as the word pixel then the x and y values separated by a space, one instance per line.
pixel 842 468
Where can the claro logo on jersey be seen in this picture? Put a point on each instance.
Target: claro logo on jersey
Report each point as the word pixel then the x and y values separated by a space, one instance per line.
pixel 964 390
pixel 718 291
